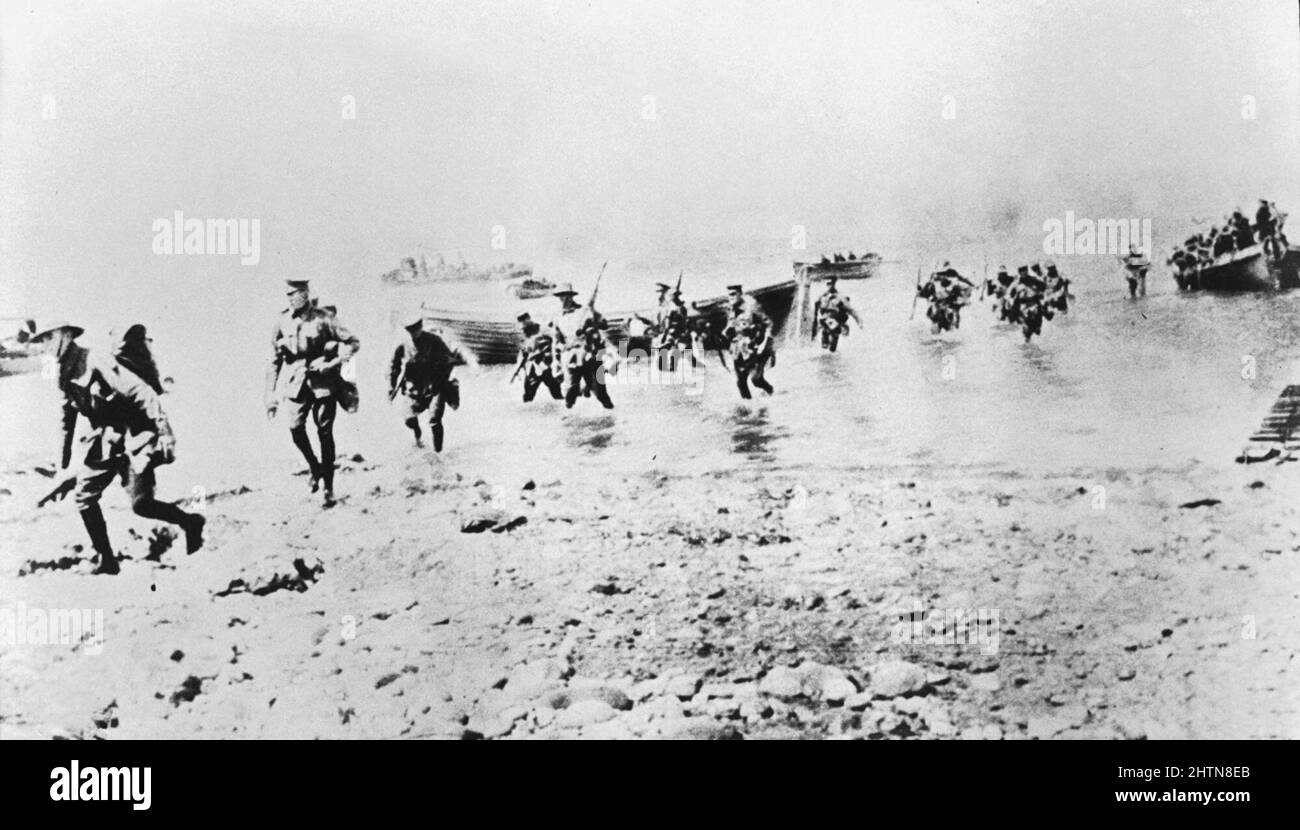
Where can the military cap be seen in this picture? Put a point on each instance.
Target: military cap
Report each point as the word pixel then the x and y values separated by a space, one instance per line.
pixel 297 285
pixel 663 286
pixel 414 321
pixel 562 289
pixel 735 289
pixel 525 317
pixel 55 328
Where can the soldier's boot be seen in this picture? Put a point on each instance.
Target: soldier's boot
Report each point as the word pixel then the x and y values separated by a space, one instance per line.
pixel 531 382
pixel 413 423
pixel 436 429
pixel 599 389
pixel 303 443
pixel 161 511
pixel 93 518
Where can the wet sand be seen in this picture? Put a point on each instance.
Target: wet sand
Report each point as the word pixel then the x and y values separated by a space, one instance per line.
pixel 731 602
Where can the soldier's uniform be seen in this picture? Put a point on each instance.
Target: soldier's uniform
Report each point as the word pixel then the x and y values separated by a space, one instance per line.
pixel 1265 222
pixel 831 315
pixel 748 330
pixel 673 324
pixel 303 343
pixel 420 371
pixel 1027 298
pixel 538 358
pixel 1058 290
pixel 129 437
pixel 1136 265
pixel 579 336
pixel 947 291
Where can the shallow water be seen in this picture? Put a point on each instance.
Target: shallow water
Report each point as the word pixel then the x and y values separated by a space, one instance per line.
pixel 1160 382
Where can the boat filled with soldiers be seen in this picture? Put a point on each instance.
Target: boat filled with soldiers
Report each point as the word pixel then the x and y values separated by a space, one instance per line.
pixel 848 266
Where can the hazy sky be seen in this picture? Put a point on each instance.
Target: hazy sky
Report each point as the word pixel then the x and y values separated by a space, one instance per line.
pixel 531 116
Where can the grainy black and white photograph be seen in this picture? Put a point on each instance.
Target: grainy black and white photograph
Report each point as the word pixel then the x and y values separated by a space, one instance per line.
pixel 896 370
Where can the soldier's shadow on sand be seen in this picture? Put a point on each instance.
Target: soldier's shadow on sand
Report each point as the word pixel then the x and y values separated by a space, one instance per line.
pixel 752 433
pixel 1041 364
pixel 593 434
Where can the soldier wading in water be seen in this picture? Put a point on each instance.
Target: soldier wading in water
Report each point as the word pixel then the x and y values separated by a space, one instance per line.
pixel 309 347
pixel 831 315
pixel 536 360
pixel 749 332
pixel 947 291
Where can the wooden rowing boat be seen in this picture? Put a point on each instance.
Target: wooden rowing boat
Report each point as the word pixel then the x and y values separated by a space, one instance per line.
pixel 1246 270
pixel 498 340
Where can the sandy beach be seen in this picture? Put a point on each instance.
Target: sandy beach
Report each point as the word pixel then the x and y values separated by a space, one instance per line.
pixel 500 603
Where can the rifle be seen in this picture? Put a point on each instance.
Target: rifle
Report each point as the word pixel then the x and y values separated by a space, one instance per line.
pixel 591 303
pixel 401 379
pixel 523 361
pixel 60 490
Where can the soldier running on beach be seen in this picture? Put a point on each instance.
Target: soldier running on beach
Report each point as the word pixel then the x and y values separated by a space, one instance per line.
pixel 130 437
pixel 309 347
pixel 749 332
pixel 580 339
pixel 831 315
pixel 421 372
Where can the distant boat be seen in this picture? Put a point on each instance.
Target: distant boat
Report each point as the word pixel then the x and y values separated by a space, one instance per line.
pixel 1246 270
pixel 860 268
pixel 17 355
pixel 529 288
pixel 498 341
pixel 409 272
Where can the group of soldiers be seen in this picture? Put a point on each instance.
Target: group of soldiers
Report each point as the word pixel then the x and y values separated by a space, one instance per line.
pixel 572 353
pixel 130 437
pixel 1033 294
pixel 1235 234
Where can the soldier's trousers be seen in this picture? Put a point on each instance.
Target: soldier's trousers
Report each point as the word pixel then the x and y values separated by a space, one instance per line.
pixel 586 376
pixel 92 482
pixel 433 399
pixel 830 339
pixel 322 412
pixel 533 381
pixel 750 370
